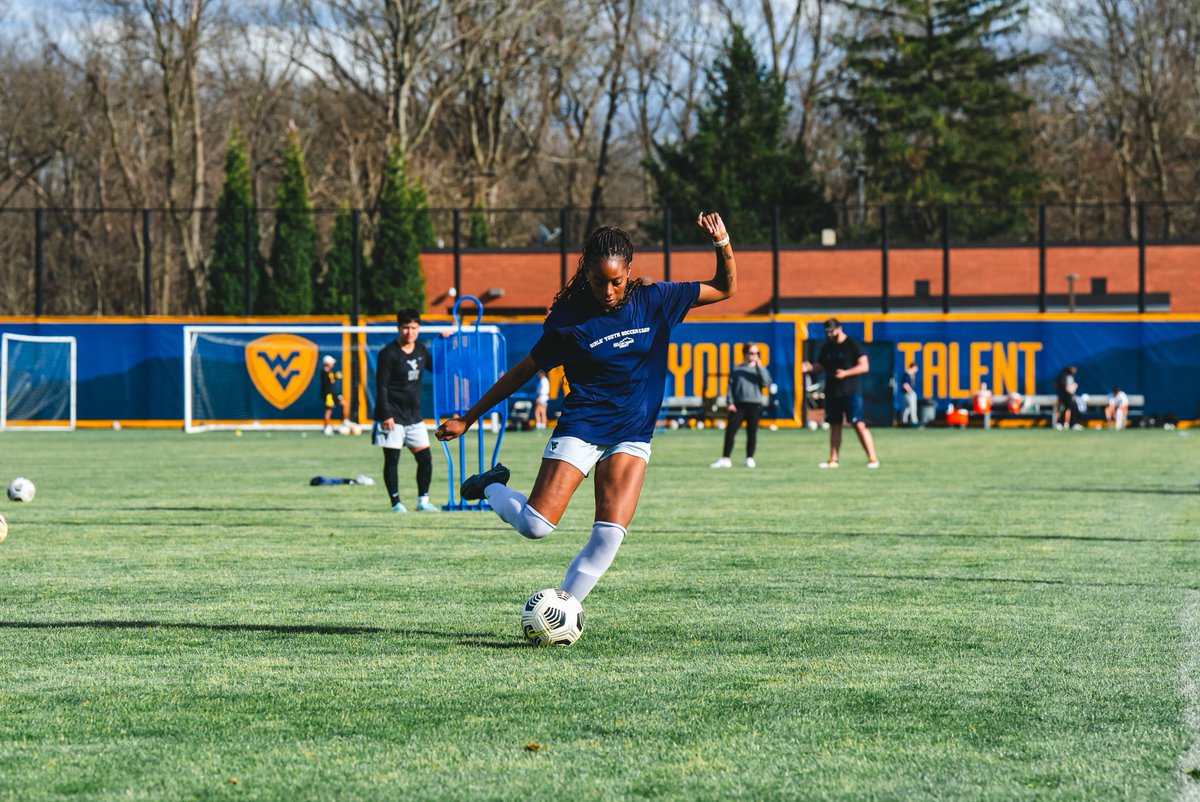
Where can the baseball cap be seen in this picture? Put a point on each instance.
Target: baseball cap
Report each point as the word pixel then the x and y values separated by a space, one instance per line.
pixel 831 324
pixel 328 360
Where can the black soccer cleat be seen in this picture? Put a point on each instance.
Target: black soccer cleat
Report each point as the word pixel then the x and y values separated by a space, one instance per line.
pixel 472 489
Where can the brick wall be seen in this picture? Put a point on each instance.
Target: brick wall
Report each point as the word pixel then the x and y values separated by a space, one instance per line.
pixel 528 281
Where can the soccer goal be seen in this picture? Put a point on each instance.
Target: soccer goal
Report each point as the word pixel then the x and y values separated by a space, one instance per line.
pixel 268 376
pixel 37 383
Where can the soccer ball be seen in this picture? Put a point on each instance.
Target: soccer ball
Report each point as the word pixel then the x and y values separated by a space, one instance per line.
pixel 3 528
pixel 21 489
pixel 552 617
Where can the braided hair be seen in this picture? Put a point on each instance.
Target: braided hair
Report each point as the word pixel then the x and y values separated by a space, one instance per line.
pixel 605 242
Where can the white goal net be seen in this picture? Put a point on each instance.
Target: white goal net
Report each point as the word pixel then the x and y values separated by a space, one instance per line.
pixel 269 377
pixel 37 382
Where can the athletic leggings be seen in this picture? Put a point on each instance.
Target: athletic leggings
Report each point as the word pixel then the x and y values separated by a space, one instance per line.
pixel 391 473
pixel 750 413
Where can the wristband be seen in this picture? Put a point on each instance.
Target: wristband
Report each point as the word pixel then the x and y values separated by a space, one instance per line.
pixel 721 243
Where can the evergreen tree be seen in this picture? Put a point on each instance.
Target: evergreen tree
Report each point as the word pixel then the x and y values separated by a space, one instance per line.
pixel 479 233
pixel 418 204
pixel 226 293
pixel 939 114
pixel 334 294
pixel 739 160
pixel 294 248
pixel 402 227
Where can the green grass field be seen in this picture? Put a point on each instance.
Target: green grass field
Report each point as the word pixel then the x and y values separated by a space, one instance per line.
pixel 992 615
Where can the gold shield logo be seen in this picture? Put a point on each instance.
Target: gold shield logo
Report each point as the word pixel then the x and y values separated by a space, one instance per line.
pixel 281 366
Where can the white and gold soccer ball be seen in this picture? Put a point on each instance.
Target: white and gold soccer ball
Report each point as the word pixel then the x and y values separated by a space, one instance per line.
pixel 3 528
pixel 21 489
pixel 552 617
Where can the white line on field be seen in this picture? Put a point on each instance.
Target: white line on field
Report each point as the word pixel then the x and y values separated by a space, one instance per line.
pixel 1189 672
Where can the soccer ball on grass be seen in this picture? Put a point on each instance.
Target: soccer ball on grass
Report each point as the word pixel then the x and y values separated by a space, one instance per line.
pixel 552 617
pixel 21 489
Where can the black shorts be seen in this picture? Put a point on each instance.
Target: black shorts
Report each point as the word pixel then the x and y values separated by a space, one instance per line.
pixel 847 407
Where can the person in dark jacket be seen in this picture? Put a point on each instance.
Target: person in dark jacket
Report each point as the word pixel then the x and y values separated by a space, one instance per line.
pixel 402 365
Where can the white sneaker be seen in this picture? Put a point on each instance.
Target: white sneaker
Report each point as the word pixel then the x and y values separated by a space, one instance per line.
pixel 328 431
pixel 827 464
pixel 723 462
pixel 750 463
pixel 873 464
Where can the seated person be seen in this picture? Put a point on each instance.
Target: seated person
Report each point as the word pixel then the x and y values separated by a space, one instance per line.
pixel 1117 410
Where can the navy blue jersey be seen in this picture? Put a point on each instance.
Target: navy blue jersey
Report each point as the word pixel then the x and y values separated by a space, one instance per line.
pixel 615 362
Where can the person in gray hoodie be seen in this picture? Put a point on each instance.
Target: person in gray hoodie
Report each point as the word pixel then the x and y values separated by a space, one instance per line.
pixel 745 395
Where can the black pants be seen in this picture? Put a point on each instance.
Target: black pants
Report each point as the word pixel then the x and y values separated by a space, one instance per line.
pixel 750 413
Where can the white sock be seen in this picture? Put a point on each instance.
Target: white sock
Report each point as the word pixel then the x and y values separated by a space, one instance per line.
pixel 593 559
pixel 513 508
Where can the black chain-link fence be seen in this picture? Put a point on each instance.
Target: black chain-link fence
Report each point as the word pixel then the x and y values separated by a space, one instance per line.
pixel 154 261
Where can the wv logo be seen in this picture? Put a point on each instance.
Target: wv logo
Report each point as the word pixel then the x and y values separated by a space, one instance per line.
pixel 623 343
pixel 281 366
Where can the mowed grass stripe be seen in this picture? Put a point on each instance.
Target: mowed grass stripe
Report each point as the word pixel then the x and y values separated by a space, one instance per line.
pixel 991 615
pixel 1189 762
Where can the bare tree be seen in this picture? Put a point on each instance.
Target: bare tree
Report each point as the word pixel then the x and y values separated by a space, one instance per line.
pixel 1134 64
pixel 506 54
pixel 391 53
pixel 143 62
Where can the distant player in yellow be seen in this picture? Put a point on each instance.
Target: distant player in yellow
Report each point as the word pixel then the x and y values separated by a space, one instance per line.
pixel 331 382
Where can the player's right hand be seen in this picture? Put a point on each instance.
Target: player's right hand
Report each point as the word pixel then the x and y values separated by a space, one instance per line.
pixel 450 429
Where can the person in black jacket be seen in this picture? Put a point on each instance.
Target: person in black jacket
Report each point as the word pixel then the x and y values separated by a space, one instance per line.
pixel 398 421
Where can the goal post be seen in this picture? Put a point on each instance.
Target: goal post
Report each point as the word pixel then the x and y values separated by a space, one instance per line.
pixel 38 379
pixel 268 376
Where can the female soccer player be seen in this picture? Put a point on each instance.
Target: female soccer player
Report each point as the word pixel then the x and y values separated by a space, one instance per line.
pixel 611 335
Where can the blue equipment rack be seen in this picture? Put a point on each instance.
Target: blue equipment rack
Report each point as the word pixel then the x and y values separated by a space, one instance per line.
pixel 466 363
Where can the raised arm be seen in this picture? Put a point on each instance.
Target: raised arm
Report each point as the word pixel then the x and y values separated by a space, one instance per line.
pixel 505 386
pixel 724 283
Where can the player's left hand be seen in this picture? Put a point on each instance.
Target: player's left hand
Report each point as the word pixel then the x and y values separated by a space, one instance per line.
pixel 713 225
pixel 450 429
pixel 839 374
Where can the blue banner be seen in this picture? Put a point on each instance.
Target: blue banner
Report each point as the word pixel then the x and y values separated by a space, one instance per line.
pixel 1157 358
pixel 133 371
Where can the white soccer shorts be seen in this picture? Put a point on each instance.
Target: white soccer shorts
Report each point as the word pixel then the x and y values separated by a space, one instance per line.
pixel 584 455
pixel 414 435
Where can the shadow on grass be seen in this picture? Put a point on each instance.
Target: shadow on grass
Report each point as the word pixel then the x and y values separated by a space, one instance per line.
pixel 479 639
pixel 214 508
pixel 1000 580
pixel 1190 490
pixel 1008 536
pixel 930 535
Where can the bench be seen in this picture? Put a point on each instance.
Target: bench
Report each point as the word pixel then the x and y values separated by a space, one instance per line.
pixel 1043 406
pixel 682 407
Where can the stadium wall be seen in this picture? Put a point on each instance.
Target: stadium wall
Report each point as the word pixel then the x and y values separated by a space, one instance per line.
pixel 131 369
